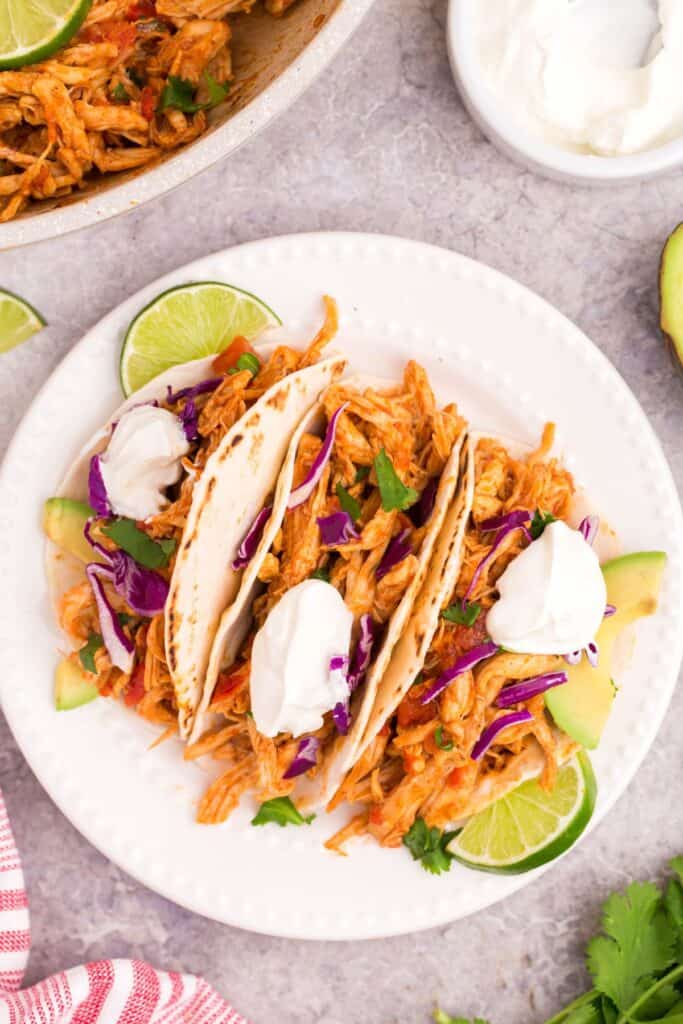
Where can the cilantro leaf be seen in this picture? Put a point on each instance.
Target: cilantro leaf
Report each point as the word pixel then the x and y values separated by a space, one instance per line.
pixel 589 1013
pixel 673 901
pixel 441 743
pixel 321 574
pixel 88 651
pixel 394 493
pixel 280 811
pixel 179 93
pixel 348 502
pixel 462 613
pixel 428 845
pixel 539 522
pixel 639 943
pixel 119 93
pixel 152 554
pixel 445 1018
pixel 362 473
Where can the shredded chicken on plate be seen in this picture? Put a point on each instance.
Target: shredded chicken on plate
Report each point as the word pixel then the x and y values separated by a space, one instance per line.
pixel 135 82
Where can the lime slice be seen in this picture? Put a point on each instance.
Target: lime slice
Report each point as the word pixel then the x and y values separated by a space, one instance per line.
pixel 529 827
pixel 187 323
pixel 31 30
pixel 18 321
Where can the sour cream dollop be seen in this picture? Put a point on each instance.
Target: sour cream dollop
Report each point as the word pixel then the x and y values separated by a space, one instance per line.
pixel 552 596
pixel 142 460
pixel 291 683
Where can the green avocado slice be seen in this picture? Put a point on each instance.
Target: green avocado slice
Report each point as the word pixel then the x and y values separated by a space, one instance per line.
pixel 64 520
pixel 73 686
pixel 581 707
pixel 671 295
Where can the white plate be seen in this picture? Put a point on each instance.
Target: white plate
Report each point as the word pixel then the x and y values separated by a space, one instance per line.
pixel 511 361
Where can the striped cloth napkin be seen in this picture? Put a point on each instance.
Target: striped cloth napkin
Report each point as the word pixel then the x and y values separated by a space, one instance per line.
pixel 106 992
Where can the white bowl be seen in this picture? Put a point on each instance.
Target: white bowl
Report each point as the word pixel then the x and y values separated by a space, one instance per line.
pixel 501 128
pixel 275 59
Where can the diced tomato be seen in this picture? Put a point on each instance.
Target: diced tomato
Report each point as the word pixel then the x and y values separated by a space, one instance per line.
pixel 229 356
pixel 462 776
pixel 148 103
pixel 376 814
pixel 142 9
pixel 458 640
pixel 136 686
pixel 120 32
pixel 229 681
pixel 411 712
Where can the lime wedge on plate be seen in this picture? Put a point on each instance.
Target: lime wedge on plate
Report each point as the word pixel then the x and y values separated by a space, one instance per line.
pixel 187 323
pixel 529 827
pixel 18 321
pixel 31 30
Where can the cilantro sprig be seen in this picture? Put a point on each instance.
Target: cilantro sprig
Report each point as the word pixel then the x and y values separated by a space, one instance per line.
pixel 428 845
pixel 636 961
pixel 393 492
pixel 280 811
pixel 463 613
pixel 349 504
pixel 539 522
pixel 88 651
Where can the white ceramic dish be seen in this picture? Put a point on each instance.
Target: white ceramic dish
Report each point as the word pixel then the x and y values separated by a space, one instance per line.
pixel 511 361
pixel 497 123
pixel 274 59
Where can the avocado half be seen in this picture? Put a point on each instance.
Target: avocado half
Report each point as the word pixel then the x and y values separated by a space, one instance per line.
pixel 671 295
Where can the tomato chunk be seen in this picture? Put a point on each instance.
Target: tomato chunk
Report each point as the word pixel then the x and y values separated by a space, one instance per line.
pixel 142 9
pixel 229 681
pixel 227 359
pixel 136 686
pixel 148 103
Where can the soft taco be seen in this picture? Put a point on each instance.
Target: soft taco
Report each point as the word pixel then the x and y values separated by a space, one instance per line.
pixel 368 480
pixel 146 525
pixel 459 716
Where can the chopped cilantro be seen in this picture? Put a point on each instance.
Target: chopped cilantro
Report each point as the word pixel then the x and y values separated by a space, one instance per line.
pixel 441 743
pixel 462 613
pixel 418 679
pixel 179 93
pixel 348 502
pixel 88 651
pixel 152 554
pixel 394 493
pixel 321 574
pixel 119 93
pixel 280 811
pixel 539 522
pixel 362 473
pixel 428 845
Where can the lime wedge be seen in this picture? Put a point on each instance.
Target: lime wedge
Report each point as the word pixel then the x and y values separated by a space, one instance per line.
pixel 31 30
pixel 187 323
pixel 529 827
pixel 18 321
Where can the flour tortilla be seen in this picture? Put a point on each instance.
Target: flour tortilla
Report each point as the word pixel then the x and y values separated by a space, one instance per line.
pixel 235 483
pixel 237 618
pixel 410 652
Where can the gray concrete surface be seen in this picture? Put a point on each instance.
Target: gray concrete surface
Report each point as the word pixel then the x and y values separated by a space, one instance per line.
pixel 381 143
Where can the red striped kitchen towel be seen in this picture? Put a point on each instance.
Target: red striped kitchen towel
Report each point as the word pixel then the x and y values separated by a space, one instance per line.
pixel 106 992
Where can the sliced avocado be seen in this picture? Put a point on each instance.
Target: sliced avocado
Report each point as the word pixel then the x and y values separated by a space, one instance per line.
pixel 73 686
pixel 671 294
pixel 581 707
pixel 63 521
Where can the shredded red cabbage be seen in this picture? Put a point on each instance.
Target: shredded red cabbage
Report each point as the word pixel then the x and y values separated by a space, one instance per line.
pixel 497 726
pixel 143 590
pixel 610 609
pixel 588 528
pixel 398 549
pixel 251 539
pixel 462 664
pixel 188 417
pixel 422 510
pixel 97 492
pixel 118 645
pixel 337 529
pixel 591 651
pixel 306 757
pixel 517 693
pixel 574 657
pixel 341 717
pixel 517 518
pixel 300 494
pixel 339 663
pixel 197 389
pixel 363 652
